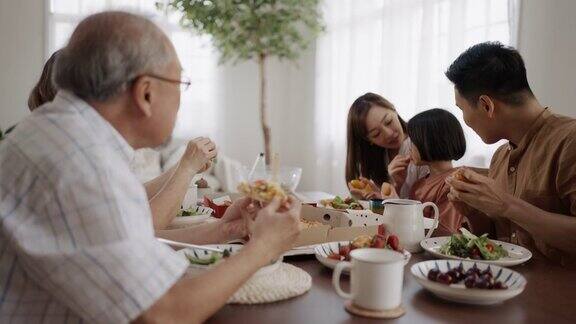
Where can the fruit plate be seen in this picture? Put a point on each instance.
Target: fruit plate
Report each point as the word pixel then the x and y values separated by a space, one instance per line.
pixel 322 251
pixel 459 293
pixel 301 250
pixel 516 254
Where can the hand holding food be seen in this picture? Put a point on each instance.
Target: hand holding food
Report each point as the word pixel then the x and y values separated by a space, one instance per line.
pixel 234 223
pixel 262 191
pixel 397 169
pixel 363 188
pixel 277 230
pixel 459 175
pixel 199 154
pixel 388 191
pixel 478 192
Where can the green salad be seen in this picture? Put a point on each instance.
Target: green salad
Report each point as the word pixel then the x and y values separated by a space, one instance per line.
pixel 468 245
pixel 189 212
pixel 212 259
pixel 347 203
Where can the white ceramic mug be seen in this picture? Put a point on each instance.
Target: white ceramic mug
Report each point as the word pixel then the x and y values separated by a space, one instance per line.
pixel 407 221
pixel 376 277
pixel 191 197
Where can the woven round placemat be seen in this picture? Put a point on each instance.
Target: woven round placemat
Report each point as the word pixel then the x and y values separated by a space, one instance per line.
pixel 286 282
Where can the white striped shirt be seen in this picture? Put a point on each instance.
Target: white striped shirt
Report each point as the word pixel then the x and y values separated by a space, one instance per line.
pixel 76 236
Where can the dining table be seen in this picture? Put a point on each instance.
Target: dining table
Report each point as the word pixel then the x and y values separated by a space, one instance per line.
pixel 549 297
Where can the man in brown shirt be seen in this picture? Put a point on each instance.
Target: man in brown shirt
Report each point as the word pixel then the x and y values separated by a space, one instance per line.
pixel 530 191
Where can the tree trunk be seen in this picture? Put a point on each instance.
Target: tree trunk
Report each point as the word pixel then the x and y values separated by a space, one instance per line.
pixel 263 112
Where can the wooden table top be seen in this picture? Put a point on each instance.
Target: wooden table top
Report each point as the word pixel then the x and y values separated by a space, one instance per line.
pixel 549 297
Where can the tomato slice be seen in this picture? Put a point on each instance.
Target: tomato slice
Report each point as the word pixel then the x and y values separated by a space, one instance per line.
pixel 489 247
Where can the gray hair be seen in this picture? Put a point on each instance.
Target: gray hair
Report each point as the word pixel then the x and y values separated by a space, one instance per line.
pixel 107 51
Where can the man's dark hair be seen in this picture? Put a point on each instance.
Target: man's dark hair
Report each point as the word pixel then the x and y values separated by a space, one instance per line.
pixel 437 135
pixel 490 69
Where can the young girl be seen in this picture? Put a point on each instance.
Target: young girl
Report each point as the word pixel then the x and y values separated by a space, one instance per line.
pixel 437 139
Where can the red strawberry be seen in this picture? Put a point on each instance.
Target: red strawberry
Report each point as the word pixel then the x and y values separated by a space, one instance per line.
pixel 394 242
pixel 344 250
pixel 378 242
pixel 334 256
pixel 382 229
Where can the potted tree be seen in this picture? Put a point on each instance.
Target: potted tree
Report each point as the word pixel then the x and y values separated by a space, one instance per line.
pixel 244 30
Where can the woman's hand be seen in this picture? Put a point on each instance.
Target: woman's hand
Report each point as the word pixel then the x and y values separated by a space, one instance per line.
pixel 369 190
pixel 397 169
pixel 199 154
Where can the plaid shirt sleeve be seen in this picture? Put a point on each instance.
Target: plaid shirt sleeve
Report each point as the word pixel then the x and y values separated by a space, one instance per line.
pixel 86 237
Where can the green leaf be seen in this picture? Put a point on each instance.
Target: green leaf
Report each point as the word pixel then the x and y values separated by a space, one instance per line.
pixel 243 29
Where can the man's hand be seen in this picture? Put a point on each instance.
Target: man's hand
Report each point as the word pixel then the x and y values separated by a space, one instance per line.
pixel 478 192
pixel 276 226
pixel 199 154
pixel 233 223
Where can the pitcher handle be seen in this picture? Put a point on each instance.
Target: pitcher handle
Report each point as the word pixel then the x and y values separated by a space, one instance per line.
pixel 340 266
pixel 436 216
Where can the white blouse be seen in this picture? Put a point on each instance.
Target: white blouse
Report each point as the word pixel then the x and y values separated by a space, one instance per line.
pixel 414 172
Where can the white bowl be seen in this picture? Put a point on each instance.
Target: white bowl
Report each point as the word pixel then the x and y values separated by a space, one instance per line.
pixel 516 254
pixel 205 213
pixel 459 293
pixel 195 269
pixel 322 251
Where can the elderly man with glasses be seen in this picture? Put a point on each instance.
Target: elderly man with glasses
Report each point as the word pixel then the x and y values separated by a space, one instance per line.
pixel 76 236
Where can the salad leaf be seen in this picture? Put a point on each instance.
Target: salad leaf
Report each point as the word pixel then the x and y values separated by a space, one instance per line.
pixel 463 245
pixel 214 257
pixel 188 212
pixel 338 200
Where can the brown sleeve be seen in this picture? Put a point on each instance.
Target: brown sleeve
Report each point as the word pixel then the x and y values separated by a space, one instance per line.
pixel 566 173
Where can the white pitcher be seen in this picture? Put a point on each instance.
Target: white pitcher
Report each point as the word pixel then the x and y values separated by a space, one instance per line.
pixel 407 221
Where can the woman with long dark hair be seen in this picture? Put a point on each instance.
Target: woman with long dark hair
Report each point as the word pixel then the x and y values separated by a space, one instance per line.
pixel 378 149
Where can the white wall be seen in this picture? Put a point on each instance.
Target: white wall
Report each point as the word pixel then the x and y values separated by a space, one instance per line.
pixel 547 41
pixel 290 103
pixel 21 56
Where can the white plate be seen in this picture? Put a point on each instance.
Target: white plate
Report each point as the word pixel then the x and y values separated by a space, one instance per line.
pixel 322 251
pixel 206 212
pixel 302 250
pixel 516 254
pixel 233 248
pixel 459 293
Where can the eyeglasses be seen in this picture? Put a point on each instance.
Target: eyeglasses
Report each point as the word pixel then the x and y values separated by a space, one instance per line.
pixel 184 82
